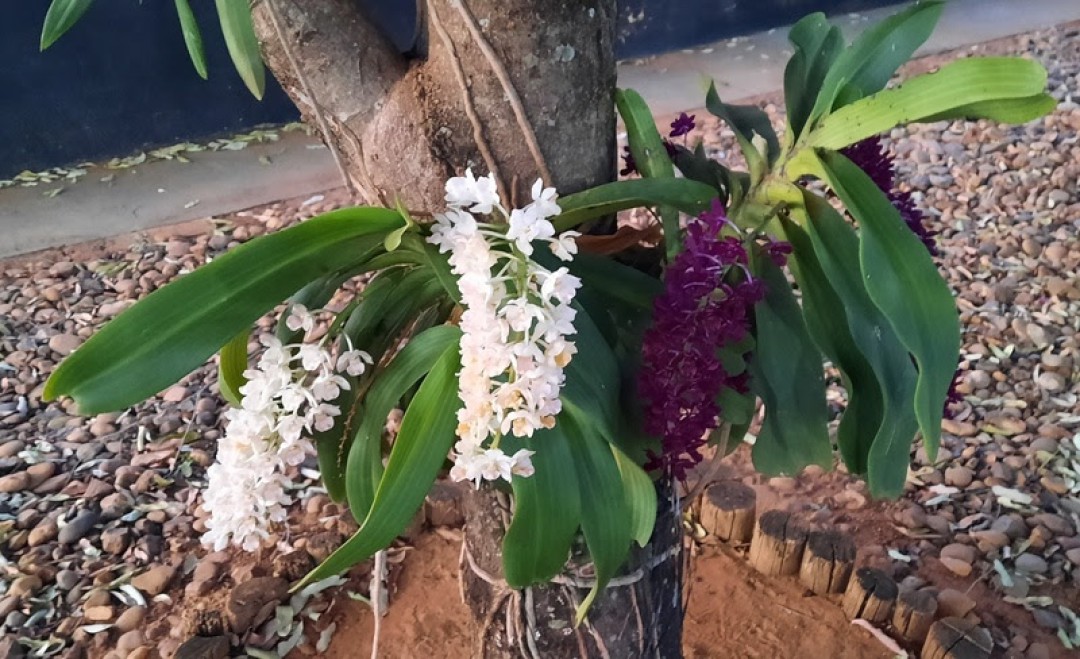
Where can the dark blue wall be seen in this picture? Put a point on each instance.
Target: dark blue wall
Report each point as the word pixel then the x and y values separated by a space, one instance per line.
pixel 121 80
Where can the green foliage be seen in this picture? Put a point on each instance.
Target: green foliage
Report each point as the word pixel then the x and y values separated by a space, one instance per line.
pixel 61 16
pixel 232 362
pixel 650 156
pixel 426 435
pixel 192 37
pixel 176 328
pixel 243 45
pixel 690 197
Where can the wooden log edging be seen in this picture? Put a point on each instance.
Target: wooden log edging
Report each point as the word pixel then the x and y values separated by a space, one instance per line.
pixel 827 562
pixel 956 638
pixel 728 511
pixel 870 596
pixel 824 562
pixel 777 545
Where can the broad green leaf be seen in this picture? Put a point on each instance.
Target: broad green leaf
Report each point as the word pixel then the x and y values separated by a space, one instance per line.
pixel 879 425
pixel 746 121
pixel 605 515
pixel 60 17
pixel 787 375
pixel 232 362
pixel 735 407
pixel 964 84
pixel 1009 110
pixel 862 418
pixel 650 156
pixel 178 327
pixel 690 197
pixel 547 510
pixel 375 327
pixel 192 37
pixel 429 255
pixel 904 283
pixel 817 45
pixel 364 467
pixel 243 45
pixel 640 496
pixel 616 281
pixel 592 378
pixel 877 53
pixel 421 447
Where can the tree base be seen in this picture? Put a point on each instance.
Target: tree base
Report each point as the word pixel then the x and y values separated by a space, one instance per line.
pixel 638 615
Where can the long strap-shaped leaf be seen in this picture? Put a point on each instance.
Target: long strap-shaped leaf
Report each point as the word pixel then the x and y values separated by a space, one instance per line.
pixel 650 156
pixel 788 377
pixel 232 362
pixel 243 45
pixel 882 452
pixel 364 468
pixel 817 45
pixel 547 509
pixel 960 88
pixel 877 53
pixel 176 328
pixel 192 37
pixel 690 197
pixel 425 438
pixel 903 282
pixel 62 15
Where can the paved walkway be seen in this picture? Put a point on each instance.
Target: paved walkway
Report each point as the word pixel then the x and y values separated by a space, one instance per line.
pixel 160 193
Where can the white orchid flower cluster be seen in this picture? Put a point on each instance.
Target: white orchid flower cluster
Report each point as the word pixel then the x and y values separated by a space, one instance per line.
pixel 514 327
pixel 286 398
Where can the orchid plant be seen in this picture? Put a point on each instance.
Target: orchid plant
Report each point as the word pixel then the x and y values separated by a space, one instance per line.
pixel 528 357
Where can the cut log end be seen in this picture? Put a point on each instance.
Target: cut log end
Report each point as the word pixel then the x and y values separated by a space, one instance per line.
pixel 777 545
pixel 914 614
pixel 870 596
pixel 956 638
pixel 827 562
pixel 728 510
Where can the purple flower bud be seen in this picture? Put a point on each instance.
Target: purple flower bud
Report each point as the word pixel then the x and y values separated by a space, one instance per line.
pixel 682 125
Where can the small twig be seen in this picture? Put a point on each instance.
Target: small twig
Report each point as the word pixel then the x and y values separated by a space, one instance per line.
pixel 378 593
pixel 470 111
pixel 508 87
pixel 714 465
pixel 315 109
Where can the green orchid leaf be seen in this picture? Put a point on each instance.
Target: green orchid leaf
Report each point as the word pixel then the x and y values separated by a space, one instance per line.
pixel 817 45
pixel 192 37
pixel 746 121
pixel 364 467
pixel 1008 110
pixel 690 197
pixel 243 45
pixel 640 497
pixel 178 327
pixel 879 425
pixel 964 85
pixel 866 66
pixel 616 281
pixel 428 255
pixel 61 17
pixel 592 378
pixel 650 156
pixel 787 374
pixel 418 453
pixel 905 285
pixel 232 362
pixel 547 510
pixel 606 519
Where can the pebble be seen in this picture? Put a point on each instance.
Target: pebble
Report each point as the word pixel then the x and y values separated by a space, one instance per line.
pixel 248 601
pixel 959 476
pixel 64 344
pixel 956 566
pixel 25 586
pixel 101 613
pixel 953 603
pixel 965 553
pixel 78 527
pixel 155 580
pixel 1031 564
pixel 131 618
pixel 203 647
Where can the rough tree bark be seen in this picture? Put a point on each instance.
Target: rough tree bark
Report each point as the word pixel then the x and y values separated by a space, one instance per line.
pixel 523 89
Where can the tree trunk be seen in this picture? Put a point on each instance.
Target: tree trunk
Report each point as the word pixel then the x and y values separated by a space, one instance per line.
pixel 523 89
